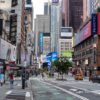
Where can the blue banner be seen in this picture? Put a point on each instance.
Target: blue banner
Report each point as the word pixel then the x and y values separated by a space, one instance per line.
pixel 94 24
pixel 41 42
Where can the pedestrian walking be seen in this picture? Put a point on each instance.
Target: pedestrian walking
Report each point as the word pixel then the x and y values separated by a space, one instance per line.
pixel 1 79
pixel 11 79
pixel 42 75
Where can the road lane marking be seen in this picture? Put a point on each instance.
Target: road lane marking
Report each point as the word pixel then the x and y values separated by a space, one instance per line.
pixel 66 91
pixel 28 94
pixel 73 90
pixel 9 92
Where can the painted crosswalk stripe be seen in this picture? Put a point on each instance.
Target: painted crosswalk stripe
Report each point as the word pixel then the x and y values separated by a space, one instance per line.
pixel 9 92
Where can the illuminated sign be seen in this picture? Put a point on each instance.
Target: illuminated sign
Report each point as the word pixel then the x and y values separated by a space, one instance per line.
pixel 94 24
pixel 66 32
pixel 85 32
pixel 41 43
pixel 55 1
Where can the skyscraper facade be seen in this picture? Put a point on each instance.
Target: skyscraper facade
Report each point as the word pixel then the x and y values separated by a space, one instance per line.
pixel 42 26
pixel 29 30
pixel 55 25
pixel 76 9
pixel 72 13
pixel 47 8
pixel 65 13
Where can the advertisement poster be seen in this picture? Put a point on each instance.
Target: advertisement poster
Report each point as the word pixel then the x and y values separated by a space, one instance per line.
pixel 7 51
pixel 41 42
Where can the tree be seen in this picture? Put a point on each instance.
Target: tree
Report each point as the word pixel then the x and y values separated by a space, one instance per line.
pixel 62 66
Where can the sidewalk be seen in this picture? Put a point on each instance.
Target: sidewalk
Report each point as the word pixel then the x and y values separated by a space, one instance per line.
pixel 17 93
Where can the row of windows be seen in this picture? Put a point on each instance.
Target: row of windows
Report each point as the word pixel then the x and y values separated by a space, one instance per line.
pixel 82 54
pixel 86 43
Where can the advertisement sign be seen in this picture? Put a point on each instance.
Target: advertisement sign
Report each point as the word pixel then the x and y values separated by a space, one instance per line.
pixel 7 51
pixel 83 34
pixel 52 56
pixel 55 1
pixel 86 31
pixel 98 18
pixel 94 24
pixel 5 5
pixel 66 32
pixel 67 54
pixel 41 42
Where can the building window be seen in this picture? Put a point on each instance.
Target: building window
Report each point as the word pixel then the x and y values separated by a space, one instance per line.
pixel 28 1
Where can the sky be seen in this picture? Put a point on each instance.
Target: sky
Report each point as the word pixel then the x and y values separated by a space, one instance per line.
pixel 38 6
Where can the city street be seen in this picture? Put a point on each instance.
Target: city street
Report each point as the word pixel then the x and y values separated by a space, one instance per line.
pixel 51 89
pixel 43 91
pixel 68 90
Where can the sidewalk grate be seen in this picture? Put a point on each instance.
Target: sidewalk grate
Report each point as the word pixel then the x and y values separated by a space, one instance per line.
pixel 15 96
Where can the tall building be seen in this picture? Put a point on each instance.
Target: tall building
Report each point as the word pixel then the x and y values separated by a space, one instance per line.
pixel 65 42
pixel 65 13
pixel 29 30
pixel 42 26
pixel 72 13
pixel 76 9
pixel 55 25
pixel 8 27
pixel 47 8
pixel 20 42
pixel 86 10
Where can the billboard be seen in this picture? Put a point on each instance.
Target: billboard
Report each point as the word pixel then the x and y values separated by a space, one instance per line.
pixel 7 51
pixel 86 31
pixel 67 54
pixel 94 24
pixel 55 1
pixel 83 34
pixel 98 18
pixel 5 5
pixel 52 56
pixel 66 32
pixel 41 42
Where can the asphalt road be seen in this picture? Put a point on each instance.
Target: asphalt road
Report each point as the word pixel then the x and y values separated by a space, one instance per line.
pixel 46 91
pixel 89 90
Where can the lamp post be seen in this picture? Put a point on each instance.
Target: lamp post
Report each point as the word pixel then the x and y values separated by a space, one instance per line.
pixel 24 75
